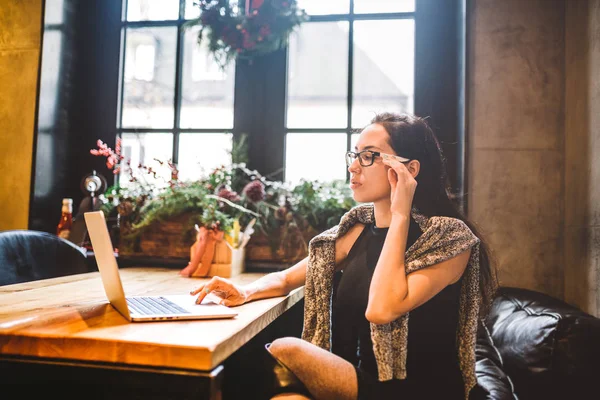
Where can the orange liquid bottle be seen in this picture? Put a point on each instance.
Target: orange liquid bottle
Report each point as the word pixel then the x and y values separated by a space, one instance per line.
pixel 65 224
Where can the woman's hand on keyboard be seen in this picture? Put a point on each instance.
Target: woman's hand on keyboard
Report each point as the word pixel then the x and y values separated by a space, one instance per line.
pixel 229 293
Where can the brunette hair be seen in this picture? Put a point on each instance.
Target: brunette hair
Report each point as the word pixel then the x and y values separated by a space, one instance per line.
pixel 412 137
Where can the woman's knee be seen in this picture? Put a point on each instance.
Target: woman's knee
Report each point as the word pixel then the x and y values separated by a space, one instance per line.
pixel 285 348
pixel 290 396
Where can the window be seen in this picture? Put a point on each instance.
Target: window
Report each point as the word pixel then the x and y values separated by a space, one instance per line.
pixel 140 65
pixel 51 85
pixel 353 59
pixel 175 102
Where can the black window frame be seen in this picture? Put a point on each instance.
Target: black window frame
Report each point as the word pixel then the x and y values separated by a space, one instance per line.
pixel 176 130
pixel 351 17
pixel 97 56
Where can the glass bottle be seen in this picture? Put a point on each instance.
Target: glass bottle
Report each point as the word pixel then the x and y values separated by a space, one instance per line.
pixel 66 219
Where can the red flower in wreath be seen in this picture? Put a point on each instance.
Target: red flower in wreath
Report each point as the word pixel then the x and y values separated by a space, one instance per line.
pixel 251 33
pixel 254 4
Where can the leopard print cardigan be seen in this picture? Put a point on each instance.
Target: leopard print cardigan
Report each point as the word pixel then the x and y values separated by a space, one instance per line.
pixel 442 239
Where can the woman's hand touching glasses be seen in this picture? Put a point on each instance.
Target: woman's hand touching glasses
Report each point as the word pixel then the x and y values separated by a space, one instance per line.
pixel 403 186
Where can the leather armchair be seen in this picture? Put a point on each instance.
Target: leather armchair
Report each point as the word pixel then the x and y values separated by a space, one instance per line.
pixel 534 346
pixel 27 255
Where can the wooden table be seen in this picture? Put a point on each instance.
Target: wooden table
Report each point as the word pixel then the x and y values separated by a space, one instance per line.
pixel 62 333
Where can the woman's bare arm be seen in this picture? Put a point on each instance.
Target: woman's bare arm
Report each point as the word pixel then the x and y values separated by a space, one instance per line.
pixel 277 283
pixel 274 284
pixel 392 292
pixel 282 282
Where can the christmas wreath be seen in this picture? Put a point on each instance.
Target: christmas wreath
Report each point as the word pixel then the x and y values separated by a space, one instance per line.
pixel 263 26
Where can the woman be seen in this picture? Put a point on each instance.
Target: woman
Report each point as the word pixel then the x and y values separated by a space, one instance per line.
pixel 393 294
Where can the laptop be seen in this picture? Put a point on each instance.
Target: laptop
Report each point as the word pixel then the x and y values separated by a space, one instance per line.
pixel 144 308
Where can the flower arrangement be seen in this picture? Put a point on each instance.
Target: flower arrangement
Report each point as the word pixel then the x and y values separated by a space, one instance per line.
pixel 262 27
pixel 226 200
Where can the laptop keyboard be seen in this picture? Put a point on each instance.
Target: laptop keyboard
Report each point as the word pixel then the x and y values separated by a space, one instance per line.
pixel 154 306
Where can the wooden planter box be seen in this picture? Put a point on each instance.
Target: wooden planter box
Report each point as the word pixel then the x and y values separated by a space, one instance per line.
pixel 165 239
pixel 259 250
pixel 171 241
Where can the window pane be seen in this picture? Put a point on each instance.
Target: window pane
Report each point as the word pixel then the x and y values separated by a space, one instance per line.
pixel 353 140
pixel 200 153
pixel 45 178
pixel 321 7
pixel 318 76
pixel 207 91
pixel 144 149
pixel 51 94
pixel 54 12
pixel 383 6
pixel 152 10
pixel 149 81
pixel 315 156
pixel 383 76
pixel 192 11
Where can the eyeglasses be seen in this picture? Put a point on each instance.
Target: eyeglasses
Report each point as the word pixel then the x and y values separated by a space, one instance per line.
pixel 366 158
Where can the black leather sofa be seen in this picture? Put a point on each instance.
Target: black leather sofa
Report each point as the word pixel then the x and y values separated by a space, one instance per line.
pixel 27 255
pixel 534 346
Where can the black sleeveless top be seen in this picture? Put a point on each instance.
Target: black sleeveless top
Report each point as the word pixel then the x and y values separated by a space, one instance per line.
pixel 432 354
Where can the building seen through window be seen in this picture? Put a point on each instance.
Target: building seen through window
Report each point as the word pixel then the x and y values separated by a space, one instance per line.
pixel 194 129
pixel 350 61
pixel 344 67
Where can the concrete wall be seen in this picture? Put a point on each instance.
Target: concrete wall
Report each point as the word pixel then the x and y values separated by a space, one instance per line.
pixel 582 155
pixel 516 137
pixel 534 142
pixel 20 30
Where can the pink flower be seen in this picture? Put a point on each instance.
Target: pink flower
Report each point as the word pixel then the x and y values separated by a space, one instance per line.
pixel 254 191
pixel 112 157
pixel 229 195
pixel 174 171
pixel 118 147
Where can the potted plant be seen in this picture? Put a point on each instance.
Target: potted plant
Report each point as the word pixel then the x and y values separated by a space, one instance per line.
pixel 261 27
pixel 166 221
